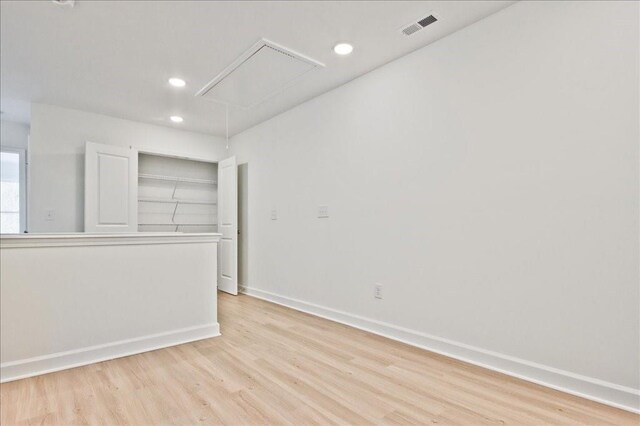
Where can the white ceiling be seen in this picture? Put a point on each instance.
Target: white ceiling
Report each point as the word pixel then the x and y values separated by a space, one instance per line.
pixel 115 58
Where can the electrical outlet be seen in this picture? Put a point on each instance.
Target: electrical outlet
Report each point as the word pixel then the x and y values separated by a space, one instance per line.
pixel 49 214
pixel 323 211
pixel 377 291
pixel 274 214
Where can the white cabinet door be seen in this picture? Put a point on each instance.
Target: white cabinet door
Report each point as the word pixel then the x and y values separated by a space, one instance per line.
pixel 228 225
pixel 110 189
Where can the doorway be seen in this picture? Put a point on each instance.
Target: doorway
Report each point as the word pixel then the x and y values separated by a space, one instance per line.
pixel 243 225
pixel 13 197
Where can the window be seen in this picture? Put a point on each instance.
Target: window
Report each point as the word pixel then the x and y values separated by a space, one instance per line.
pixel 12 191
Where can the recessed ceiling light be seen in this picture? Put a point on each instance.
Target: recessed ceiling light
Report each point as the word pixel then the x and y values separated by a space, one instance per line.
pixel 176 119
pixel 177 82
pixel 343 48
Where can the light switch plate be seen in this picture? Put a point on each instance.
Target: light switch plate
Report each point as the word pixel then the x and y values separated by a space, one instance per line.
pixel 377 291
pixel 274 214
pixel 323 211
pixel 49 214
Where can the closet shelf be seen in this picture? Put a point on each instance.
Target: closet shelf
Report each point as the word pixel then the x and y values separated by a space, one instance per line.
pixel 169 201
pixel 177 224
pixel 177 179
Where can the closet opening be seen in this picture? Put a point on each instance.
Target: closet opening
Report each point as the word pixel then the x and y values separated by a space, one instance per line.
pixel 127 190
pixel 176 194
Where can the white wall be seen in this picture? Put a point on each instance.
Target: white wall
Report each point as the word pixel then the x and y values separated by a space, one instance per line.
pixel 489 181
pixel 15 135
pixel 68 300
pixel 58 137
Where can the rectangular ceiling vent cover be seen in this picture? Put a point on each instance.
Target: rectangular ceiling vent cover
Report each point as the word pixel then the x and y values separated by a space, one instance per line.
pixel 411 29
pixel 414 27
pixel 263 71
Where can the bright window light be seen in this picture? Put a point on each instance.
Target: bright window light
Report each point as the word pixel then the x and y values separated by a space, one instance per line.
pixel 9 193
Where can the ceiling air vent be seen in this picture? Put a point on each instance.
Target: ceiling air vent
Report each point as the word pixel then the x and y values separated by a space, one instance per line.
pixel 427 21
pixel 414 27
pixel 411 29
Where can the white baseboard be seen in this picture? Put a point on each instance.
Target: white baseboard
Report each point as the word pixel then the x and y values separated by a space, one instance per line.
pixel 24 368
pixel 586 387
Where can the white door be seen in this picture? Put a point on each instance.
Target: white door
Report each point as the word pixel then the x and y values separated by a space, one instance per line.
pixel 228 225
pixel 110 189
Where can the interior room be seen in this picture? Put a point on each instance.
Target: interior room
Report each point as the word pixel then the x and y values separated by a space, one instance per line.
pixel 319 212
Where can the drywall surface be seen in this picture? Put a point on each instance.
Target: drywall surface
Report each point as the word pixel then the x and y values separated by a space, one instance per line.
pixel 14 135
pixel 58 137
pixel 97 297
pixel 488 181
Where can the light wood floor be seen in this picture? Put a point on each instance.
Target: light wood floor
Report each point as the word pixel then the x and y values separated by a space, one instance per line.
pixel 277 366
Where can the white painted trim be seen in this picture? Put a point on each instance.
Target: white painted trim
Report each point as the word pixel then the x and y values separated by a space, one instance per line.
pixel 24 368
pixel 175 154
pixel 86 239
pixel 590 388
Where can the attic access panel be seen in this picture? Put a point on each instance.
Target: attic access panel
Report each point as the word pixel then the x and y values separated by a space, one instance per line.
pixel 260 73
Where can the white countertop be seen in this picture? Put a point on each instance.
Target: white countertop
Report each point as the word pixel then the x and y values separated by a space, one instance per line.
pixel 93 239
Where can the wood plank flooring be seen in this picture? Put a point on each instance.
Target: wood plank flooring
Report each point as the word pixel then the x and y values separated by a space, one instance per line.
pixel 274 365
